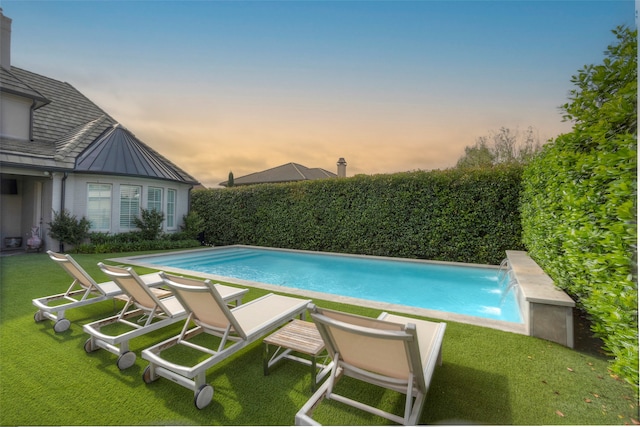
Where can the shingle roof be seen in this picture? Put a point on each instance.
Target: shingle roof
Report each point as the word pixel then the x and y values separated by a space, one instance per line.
pixel 66 125
pixel 67 110
pixel 9 83
pixel 285 173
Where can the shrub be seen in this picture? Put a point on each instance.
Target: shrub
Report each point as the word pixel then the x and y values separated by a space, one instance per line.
pixel 579 202
pixel 66 228
pixel 453 215
pixel 134 241
pixel 193 225
pixel 149 223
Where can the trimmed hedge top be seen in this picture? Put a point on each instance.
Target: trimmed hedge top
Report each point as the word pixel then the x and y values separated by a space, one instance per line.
pixel 453 215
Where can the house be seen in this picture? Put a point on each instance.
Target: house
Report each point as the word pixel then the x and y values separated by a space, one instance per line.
pixel 289 172
pixel 60 151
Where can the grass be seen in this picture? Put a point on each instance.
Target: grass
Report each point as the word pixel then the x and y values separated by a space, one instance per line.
pixel 487 377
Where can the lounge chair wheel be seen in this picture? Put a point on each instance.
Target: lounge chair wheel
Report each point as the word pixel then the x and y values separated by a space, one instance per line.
pixel 88 347
pixel 203 396
pixel 146 375
pixel 38 317
pixel 61 325
pixel 126 360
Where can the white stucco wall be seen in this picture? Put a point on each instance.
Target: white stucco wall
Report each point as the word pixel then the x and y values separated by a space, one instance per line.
pixel 40 194
pixel 76 196
pixel 10 217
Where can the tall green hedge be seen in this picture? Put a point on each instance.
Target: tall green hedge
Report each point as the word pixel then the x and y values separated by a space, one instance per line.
pixel 579 202
pixel 453 215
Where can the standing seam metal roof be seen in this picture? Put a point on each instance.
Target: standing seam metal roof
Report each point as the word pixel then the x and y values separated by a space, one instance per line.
pixel 118 151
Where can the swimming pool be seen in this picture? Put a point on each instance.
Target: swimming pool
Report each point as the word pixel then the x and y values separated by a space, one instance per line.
pixel 465 289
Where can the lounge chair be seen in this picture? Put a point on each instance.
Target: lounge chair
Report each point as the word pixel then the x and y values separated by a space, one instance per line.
pixel 394 352
pixel 82 291
pixel 148 313
pixel 235 328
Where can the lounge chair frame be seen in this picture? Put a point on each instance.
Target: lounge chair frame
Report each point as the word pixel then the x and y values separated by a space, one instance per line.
pixel 151 313
pixel 409 375
pixel 83 291
pixel 236 328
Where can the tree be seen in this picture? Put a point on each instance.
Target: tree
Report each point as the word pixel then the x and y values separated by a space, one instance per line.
pixel 477 156
pixel 605 98
pixel 230 181
pixel 529 146
pixel 502 146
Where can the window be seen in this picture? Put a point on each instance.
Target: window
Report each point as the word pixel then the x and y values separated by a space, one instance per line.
pixel 129 205
pixel 99 206
pixel 171 209
pixel 154 199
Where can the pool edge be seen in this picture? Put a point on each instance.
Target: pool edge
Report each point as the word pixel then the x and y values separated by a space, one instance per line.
pixel 519 328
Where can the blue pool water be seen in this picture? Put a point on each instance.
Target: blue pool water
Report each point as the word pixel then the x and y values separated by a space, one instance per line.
pixel 463 289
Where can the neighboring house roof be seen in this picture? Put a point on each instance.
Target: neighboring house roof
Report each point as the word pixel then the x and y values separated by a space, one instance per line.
pixel 285 173
pixel 68 129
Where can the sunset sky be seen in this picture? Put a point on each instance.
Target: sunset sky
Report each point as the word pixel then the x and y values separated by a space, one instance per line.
pixel 243 86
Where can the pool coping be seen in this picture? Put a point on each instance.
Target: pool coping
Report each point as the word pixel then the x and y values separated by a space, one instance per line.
pixel 519 328
pixel 547 310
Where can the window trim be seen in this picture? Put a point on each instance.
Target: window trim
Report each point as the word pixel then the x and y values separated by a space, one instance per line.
pixel 170 214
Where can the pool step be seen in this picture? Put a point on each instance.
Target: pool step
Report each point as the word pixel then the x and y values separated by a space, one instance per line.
pixel 230 256
pixel 222 256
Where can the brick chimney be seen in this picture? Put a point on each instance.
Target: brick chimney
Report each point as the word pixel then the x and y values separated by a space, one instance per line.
pixel 5 41
pixel 342 167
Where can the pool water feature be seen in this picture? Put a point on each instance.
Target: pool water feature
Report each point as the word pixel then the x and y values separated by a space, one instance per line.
pixel 465 289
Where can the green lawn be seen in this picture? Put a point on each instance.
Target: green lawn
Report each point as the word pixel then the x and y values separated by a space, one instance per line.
pixel 487 376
